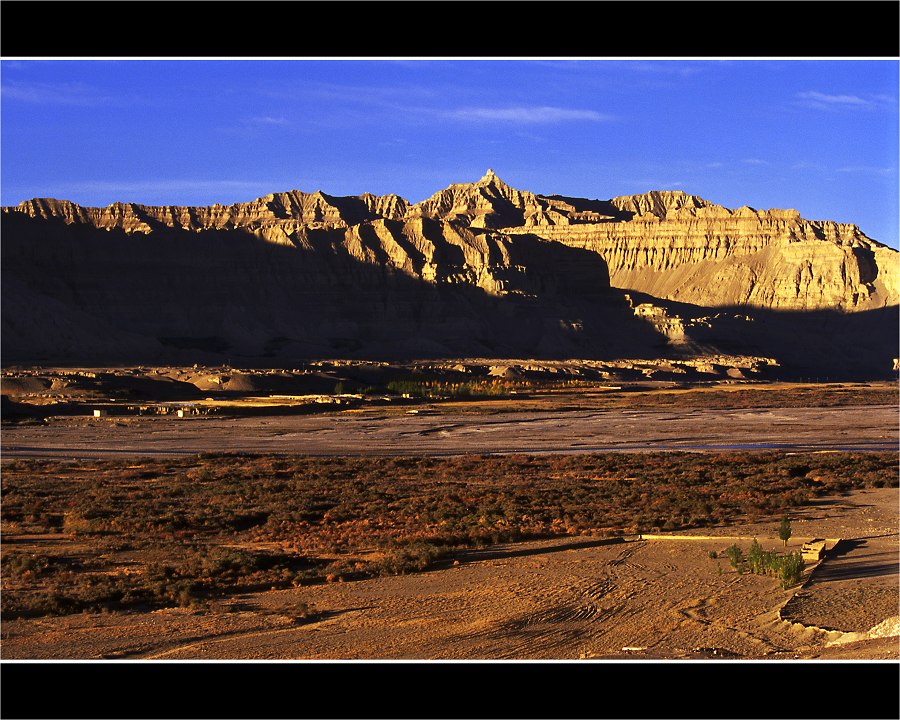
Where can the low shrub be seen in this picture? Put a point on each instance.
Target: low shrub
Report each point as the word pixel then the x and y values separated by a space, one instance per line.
pixel 24 565
pixel 413 557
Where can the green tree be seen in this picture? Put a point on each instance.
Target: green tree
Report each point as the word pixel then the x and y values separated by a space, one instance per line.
pixel 790 570
pixel 755 558
pixel 784 530
pixel 736 557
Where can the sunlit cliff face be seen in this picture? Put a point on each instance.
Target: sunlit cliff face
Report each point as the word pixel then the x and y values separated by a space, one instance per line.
pixel 476 269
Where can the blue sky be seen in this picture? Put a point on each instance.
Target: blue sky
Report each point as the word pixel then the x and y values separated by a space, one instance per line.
pixel 820 136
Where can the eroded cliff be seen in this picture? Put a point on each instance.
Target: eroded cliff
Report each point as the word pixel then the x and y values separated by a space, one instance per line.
pixel 477 268
pixel 680 247
pixel 668 244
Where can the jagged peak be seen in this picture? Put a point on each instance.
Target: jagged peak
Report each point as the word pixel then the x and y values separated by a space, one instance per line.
pixel 490 178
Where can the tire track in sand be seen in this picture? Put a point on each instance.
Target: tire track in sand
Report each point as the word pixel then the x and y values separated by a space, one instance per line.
pixel 568 616
pixel 238 634
pixel 698 610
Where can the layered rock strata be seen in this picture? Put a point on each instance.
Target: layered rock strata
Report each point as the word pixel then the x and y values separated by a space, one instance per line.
pixel 667 244
pixel 476 269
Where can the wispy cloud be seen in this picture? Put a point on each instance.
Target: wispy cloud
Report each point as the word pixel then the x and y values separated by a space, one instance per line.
pixel 663 67
pixel 423 104
pixel 73 94
pixel 54 93
pixel 379 95
pixel 161 190
pixel 543 114
pixel 824 101
pixel 566 64
pixel 867 170
pixel 754 161
pixel 269 120
pixel 650 183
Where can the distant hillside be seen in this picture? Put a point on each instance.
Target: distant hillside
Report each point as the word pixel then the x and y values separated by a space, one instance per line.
pixel 477 269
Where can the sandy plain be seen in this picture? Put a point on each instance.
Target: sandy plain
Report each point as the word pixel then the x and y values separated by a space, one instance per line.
pixel 563 598
pixel 566 598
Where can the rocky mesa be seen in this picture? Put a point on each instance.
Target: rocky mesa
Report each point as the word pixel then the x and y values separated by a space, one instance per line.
pixel 477 269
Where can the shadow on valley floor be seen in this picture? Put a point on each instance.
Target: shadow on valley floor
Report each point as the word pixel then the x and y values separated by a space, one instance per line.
pixel 841 564
pixel 494 553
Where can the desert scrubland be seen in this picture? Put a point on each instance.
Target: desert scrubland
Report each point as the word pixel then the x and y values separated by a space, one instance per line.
pixel 472 555
pixel 489 425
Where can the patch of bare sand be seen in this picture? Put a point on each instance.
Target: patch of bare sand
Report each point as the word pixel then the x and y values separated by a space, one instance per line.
pixel 566 598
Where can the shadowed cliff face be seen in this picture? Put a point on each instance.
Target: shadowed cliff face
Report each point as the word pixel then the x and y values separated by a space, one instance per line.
pixel 478 269
pixel 76 292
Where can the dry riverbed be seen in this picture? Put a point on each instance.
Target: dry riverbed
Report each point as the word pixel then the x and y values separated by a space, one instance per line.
pixel 462 428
